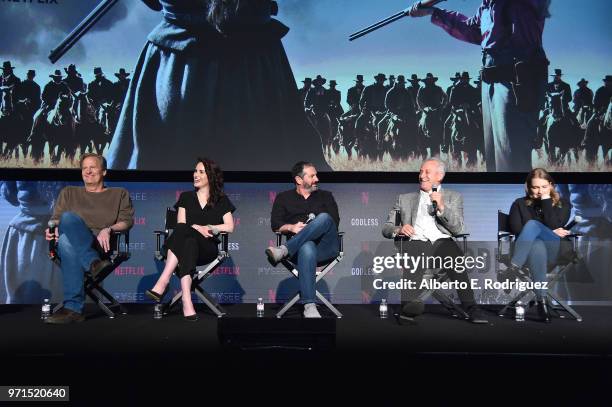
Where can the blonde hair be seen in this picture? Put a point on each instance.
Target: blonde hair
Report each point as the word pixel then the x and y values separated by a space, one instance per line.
pixel 541 173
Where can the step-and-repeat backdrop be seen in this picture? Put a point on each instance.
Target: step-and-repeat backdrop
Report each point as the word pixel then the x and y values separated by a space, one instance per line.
pixel 27 275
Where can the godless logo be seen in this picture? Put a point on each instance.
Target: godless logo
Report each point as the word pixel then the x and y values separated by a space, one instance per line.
pixel 364 222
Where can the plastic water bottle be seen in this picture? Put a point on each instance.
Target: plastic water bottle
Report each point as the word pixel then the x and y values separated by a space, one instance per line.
pixel 158 311
pixel 45 310
pixel 383 309
pixel 260 308
pixel 519 313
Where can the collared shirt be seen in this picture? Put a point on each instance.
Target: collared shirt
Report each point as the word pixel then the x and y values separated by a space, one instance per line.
pixel 290 207
pixel 425 224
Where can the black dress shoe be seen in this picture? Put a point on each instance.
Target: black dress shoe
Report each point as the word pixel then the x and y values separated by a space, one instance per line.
pixel 191 318
pixel 155 296
pixel 65 316
pixel 477 316
pixel 543 314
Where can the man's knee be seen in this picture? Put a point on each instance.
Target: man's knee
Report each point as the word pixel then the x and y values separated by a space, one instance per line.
pixel 323 218
pixel 69 219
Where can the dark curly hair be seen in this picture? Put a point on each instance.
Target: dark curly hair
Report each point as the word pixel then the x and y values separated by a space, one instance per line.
pixel 215 179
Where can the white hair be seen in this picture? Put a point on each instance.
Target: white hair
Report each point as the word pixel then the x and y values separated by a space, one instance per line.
pixel 441 164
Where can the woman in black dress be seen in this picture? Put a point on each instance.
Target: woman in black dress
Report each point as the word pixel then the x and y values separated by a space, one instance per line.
pixel 202 214
pixel 537 220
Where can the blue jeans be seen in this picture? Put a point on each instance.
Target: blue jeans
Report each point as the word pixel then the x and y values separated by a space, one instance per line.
pixel 536 246
pixel 76 254
pixel 317 242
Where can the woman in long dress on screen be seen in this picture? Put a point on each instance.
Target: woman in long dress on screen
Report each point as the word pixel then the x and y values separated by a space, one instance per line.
pixel 27 276
pixel 214 73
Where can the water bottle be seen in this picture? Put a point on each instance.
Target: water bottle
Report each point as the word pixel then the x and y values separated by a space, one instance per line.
pixel 260 308
pixel 383 308
pixel 45 311
pixel 519 313
pixel 158 311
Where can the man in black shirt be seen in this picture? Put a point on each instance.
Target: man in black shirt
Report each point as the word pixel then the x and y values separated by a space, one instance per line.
pixel 310 217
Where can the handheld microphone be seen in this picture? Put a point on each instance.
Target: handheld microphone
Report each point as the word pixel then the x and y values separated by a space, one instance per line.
pixel 434 204
pixel 52 226
pixel 577 219
pixel 311 217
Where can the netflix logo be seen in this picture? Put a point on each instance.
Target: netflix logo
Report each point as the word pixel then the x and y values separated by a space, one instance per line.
pixel 129 271
pixel 227 271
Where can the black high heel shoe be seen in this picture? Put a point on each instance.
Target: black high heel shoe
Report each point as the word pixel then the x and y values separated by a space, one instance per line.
pixel 543 314
pixel 155 296
pixel 191 318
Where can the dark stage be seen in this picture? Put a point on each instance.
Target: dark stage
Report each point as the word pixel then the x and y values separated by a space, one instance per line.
pixel 129 356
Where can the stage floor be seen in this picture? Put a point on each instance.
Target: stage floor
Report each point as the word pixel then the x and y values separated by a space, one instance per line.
pixel 135 347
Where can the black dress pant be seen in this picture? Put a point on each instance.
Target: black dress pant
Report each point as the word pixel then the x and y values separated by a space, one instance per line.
pixel 191 248
pixel 440 248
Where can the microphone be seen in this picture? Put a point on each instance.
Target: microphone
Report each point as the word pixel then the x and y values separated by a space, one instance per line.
pixel 311 217
pixel 52 226
pixel 577 219
pixel 434 204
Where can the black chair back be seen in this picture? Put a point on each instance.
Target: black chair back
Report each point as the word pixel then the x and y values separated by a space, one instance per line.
pixel 171 216
pixel 503 222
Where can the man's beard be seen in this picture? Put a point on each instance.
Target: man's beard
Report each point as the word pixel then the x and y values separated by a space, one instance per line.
pixel 311 187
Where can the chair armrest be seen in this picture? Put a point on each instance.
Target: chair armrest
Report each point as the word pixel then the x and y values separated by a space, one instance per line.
pixel 575 235
pixel 158 243
pixel 224 236
pixel 116 235
pixel 501 235
pixel 461 235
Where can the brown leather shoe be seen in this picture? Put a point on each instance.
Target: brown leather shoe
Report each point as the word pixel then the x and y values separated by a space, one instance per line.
pixel 65 316
pixel 97 266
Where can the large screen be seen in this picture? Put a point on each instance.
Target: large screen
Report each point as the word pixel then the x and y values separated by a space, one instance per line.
pixel 258 86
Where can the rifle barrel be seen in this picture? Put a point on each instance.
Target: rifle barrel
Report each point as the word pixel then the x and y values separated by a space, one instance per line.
pixel 377 25
pixel 390 19
pixel 80 30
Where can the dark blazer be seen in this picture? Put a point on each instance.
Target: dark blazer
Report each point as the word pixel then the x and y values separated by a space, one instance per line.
pixel 552 216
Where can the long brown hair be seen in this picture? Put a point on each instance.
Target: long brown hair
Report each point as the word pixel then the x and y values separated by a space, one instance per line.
pixel 215 179
pixel 541 173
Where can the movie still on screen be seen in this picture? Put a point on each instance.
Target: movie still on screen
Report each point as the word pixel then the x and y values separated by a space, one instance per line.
pixel 117 77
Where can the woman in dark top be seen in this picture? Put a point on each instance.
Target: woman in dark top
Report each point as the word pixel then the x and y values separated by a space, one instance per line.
pixel 537 220
pixel 202 214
